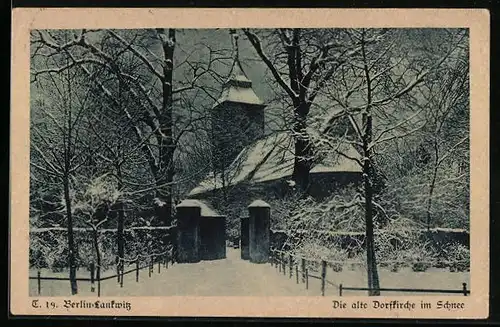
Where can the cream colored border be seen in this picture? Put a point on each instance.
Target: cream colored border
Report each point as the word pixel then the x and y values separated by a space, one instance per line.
pixel 476 306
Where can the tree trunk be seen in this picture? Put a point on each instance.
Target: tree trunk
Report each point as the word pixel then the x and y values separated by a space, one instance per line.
pixel 71 243
pixel 303 151
pixel 121 214
pixel 368 176
pixel 373 279
pixel 429 201
pixel 167 146
pixel 120 239
pixel 97 253
pixel 432 185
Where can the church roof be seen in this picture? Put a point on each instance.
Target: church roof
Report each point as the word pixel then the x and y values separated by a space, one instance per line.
pixel 272 158
pixel 238 88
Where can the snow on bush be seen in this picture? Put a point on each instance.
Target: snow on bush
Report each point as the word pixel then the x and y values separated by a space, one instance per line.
pixel 334 255
pixel 94 213
pixel 458 256
pixel 98 194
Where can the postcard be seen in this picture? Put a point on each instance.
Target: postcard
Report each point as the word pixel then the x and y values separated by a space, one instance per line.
pixel 298 163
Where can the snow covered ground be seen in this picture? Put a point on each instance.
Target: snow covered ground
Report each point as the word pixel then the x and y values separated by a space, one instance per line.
pixel 433 278
pixel 235 277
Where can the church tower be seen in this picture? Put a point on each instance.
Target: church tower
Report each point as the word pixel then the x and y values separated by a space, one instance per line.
pixel 237 116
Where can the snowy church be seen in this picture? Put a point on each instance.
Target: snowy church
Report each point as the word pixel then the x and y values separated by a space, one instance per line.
pixel 250 165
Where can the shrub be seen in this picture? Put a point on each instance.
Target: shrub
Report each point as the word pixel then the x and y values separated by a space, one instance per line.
pixel 395 267
pixel 458 257
pixel 337 267
pixel 315 251
pixel 420 266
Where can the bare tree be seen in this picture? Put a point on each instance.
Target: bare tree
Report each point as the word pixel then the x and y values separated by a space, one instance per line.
pixel 56 132
pixel 94 202
pixel 375 86
pixel 301 61
pixel 150 83
pixel 447 131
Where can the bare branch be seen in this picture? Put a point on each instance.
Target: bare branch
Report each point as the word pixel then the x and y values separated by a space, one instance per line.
pixel 401 123
pixel 138 54
pixel 451 149
pixel 349 157
pixel 54 169
pixel 257 44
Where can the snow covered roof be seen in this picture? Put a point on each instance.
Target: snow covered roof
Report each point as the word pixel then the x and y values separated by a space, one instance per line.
pixel 259 204
pixel 238 88
pixel 240 95
pixel 272 158
pixel 206 210
pixel 238 74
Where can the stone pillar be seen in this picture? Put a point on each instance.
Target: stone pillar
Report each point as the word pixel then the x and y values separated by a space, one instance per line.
pixel 188 231
pixel 213 238
pixel 259 226
pixel 244 241
pixel 220 247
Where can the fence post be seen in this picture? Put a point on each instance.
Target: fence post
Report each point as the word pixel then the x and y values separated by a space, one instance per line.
pixel 92 281
pixel 290 263
pixel 464 285
pixel 297 273
pixel 137 270
pixel 166 264
pixel 122 266
pixel 303 268
pixel 340 289
pixel 98 281
pixel 283 263
pixel 278 262
pixel 159 262
pixel 150 264
pixel 118 271
pixel 307 279
pixel 39 280
pixel 323 277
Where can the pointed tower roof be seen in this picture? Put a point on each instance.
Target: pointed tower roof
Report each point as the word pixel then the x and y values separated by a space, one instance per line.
pixel 237 75
pixel 238 87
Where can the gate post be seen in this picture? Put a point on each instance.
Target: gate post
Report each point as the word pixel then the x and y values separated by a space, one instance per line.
pixel 244 238
pixel 259 230
pixel 188 231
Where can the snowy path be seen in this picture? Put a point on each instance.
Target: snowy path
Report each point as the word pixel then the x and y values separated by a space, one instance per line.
pixel 236 277
pixel 228 277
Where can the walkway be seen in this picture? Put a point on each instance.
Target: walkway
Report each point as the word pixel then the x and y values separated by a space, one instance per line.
pixel 228 277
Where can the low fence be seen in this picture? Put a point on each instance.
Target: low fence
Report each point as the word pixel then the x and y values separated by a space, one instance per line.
pixel 303 272
pixel 463 291
pixel 95 277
